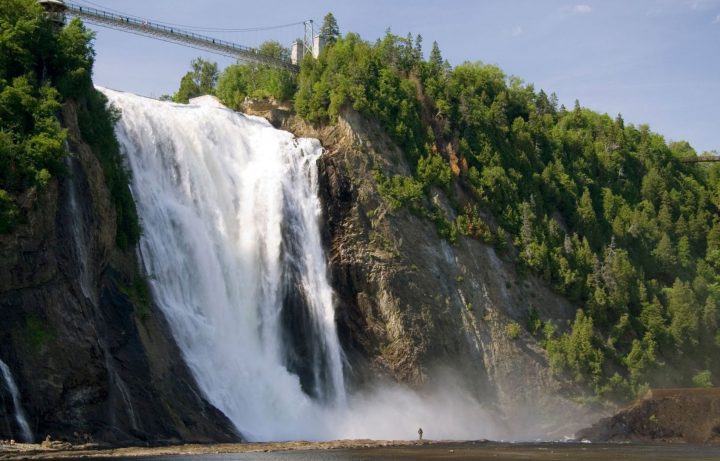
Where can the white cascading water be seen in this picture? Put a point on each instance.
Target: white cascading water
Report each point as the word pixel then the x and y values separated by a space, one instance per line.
pixel 79 235
pixel 25 432
pixel 231 241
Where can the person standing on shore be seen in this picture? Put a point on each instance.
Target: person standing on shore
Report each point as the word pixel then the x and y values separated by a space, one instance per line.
pixel 420 433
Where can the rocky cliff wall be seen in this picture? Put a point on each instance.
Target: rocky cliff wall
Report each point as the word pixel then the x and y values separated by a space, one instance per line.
pixel 89 354
pixel 420 310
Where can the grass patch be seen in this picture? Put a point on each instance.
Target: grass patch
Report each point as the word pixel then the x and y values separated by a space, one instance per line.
pixel 138 292
pixel 513 330
pixel 37 332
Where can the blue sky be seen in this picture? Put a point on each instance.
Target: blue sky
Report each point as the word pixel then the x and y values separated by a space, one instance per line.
pixel 654 61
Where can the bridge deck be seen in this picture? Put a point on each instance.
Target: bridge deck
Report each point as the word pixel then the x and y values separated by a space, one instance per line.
pixel 701 159
pixel 240 52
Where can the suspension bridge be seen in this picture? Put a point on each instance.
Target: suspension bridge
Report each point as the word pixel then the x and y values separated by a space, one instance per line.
pixel 59 9
pixel 701 159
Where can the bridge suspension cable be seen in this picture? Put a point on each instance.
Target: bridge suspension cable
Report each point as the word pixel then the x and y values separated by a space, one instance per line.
pixel 196 28
pixel 172 34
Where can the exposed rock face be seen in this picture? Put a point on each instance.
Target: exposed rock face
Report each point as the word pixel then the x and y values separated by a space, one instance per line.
pixel 668 415
pixel 88 358
pixel 416 308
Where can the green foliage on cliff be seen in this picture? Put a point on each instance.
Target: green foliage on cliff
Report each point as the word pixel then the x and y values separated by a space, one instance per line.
pixel 37 332
pixel 200 80
pixel 603 211
pixel 375 80
pixel 31 139
pixel 239 81
pixel 703 379
pixel 97 121
pixel 138 292
pixel 40 67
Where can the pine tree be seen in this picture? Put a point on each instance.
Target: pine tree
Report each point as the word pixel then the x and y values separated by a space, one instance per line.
pixel 418 46
pixel 665 253
pixel 682 308
pixel 619 122
pixel 330 31
pixel 436 59
pixel 710 316
pixel 684 252
pixel 587 219
pixel 665 216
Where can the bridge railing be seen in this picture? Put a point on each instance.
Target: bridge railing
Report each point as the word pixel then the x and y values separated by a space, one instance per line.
pixel 240 51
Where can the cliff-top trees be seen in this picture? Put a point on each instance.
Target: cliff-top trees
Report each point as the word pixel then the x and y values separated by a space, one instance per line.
pixel 200 80
pixel 34 63
pixel 240 81
pixel 274 49
pixel 599 208
pixel 40 68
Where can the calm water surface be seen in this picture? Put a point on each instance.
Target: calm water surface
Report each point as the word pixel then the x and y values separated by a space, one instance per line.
pixel 479 452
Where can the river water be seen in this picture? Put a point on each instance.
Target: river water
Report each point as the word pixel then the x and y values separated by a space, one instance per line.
pixel 483 452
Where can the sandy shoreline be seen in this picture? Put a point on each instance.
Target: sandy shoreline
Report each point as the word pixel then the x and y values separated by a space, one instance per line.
pixel 36 451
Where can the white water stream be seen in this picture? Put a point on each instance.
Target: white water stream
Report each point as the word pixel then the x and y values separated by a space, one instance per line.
pixel 231 241
pixel 82 255
pixel 25 432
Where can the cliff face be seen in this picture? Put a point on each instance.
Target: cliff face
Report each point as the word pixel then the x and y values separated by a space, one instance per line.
pixel 418 309
pixel 89 355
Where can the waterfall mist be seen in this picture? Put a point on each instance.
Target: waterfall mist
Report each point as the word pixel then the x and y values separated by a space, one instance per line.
pixel 232 247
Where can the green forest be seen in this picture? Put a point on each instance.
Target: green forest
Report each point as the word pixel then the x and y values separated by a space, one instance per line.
pixel 43 65
pixel 602 210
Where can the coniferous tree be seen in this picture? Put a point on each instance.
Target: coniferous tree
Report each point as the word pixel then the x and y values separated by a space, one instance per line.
pixel 330 31
pixel 436 59
pixel 665 254
pixel 683 312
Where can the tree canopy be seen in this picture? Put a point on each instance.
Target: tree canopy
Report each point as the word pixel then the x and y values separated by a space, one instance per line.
pixel 239 81
pixel 40 68
pixel 199 81
pixel 275 49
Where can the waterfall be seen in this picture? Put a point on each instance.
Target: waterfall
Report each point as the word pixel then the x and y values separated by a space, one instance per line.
pixel 232 247
pixel 77 228
pixel 25 432
pixel 230 231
